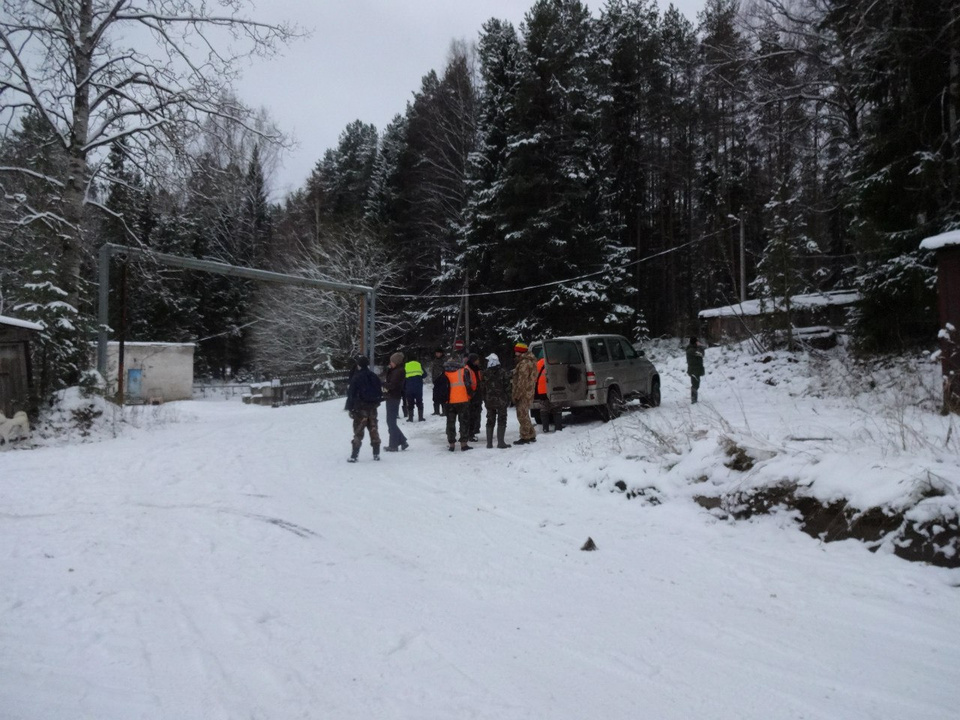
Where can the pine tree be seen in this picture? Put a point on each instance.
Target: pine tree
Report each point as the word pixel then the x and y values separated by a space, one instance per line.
pixel 726 157
pixel 480 243
pixel 780 270
pixel 552 224
pixel 633 126
pixel 31 256
pixel 904 184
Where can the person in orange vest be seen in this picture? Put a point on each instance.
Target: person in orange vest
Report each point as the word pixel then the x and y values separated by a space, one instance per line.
pixel 548 411
pixel 455 387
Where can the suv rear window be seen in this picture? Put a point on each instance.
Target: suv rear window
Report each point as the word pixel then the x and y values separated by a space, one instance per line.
pixel 598 350
pixel 563 351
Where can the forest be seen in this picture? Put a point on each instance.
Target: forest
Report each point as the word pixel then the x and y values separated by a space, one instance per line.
pixel 590 168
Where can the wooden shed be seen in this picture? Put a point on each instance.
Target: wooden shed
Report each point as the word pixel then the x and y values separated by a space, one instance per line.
pixel 947 247
pixel 815 311
pixel 15 372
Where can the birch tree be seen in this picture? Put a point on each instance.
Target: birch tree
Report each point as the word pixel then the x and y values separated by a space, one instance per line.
pixel 95 71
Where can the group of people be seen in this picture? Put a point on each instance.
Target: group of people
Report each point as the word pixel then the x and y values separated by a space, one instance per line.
pixel 461 391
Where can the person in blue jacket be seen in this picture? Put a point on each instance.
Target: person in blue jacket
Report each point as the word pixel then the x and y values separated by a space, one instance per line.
pixel 363 398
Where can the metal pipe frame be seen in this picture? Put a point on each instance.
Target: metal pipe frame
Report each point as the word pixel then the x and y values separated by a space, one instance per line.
pixel 109 250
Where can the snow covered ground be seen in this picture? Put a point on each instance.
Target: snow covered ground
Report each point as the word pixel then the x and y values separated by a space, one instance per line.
pixel 214 560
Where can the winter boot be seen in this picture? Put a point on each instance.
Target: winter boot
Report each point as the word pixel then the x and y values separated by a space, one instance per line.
pixel 557 425
pixel 693 396
pixel 490 437
pixel 501 442
pixel 376 452
pixel 353 454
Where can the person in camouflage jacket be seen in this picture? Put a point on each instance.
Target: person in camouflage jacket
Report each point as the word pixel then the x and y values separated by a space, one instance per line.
pixel 497 384
pixel 524 387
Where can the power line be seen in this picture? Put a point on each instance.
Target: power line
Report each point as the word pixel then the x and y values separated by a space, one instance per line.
pixel 546 284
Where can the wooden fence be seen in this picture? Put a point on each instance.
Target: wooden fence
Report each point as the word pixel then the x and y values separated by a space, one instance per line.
pixel 284 390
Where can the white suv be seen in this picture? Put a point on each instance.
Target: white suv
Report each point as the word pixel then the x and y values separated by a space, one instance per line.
pixel 597 371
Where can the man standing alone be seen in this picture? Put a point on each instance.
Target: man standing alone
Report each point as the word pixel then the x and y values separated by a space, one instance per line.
pixel 363 398
pixel 694 366
pixel 524 386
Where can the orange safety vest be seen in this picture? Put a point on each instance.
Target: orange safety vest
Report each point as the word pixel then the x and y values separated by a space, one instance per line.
pixel 458 387
pixel 541 377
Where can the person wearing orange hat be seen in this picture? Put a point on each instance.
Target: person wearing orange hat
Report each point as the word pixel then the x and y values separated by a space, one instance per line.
pixel 524 387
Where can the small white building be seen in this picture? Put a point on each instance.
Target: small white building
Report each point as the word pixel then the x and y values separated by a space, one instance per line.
pixel 153 371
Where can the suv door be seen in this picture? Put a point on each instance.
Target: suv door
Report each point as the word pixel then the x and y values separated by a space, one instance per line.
pixel 635 374
pixel 619 367
pixel 565 370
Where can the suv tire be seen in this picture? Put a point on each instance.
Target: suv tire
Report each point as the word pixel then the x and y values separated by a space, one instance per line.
pixel 653 399
pixel 614 405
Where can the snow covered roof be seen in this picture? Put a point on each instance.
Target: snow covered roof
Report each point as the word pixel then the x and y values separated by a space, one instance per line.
pixel 759 307
pixel 151 344
pixel 942 240
pixel 14 322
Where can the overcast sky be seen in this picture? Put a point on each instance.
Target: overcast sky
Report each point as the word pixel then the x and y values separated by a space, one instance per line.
pixel 364 60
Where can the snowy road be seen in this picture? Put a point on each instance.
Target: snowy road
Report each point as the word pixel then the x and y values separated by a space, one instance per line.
pixel 231 564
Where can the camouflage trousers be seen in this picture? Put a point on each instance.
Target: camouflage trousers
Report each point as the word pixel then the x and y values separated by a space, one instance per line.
pixel 527 431
pixel 496 414
pixel 365 416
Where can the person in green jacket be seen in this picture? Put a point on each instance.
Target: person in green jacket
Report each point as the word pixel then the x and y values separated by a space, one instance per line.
pixel 694 366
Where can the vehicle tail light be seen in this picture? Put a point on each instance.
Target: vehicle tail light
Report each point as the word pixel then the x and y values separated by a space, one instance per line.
pixel 591 379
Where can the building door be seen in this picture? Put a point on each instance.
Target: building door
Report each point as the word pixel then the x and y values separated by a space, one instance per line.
pixel 134 377
pixel 13 378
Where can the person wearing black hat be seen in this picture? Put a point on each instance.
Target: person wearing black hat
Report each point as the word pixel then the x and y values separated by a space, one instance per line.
pixel 363 399
pixel 436 372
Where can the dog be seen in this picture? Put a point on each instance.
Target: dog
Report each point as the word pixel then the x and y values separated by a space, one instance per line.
pixel 18 424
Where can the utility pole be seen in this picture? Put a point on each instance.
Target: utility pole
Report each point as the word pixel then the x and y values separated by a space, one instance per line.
pixel 121 370
pixel 466 314
pixel 743 261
